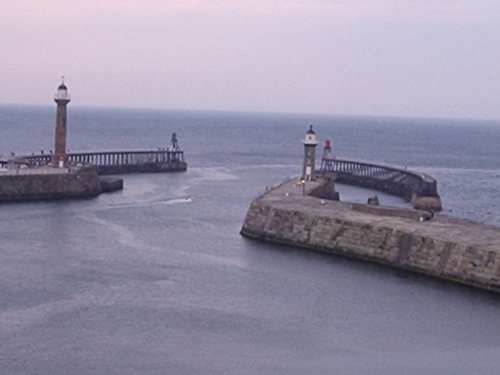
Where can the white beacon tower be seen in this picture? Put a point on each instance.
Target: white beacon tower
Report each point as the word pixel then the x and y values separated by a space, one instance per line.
pixel 310 142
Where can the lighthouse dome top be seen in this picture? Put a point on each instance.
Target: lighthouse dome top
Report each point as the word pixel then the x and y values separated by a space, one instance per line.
pixel 310 138
pixel 310 131
pixel 62 92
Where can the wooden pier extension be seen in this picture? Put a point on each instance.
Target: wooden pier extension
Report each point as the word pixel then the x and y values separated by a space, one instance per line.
pixel 418 188
pixel 117 162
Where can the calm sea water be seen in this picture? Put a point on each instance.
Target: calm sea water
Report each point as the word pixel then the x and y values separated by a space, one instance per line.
pixel 156 279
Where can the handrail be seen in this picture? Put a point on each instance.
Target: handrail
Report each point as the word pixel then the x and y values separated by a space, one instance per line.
pixel 393 180
pixel 104 158
pixel 422 176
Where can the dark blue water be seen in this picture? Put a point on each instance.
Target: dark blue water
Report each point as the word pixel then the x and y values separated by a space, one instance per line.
pixel 156 279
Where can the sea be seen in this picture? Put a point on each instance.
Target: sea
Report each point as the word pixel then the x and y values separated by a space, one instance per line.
pixel 156 279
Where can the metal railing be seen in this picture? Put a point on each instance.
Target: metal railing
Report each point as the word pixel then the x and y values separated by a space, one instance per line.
pixel 109 158
pixel 392 180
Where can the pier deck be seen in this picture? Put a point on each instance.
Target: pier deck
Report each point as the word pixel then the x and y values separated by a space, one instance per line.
pixel 444 247
pixel 442 227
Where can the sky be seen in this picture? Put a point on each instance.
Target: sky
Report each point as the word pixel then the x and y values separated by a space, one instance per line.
pixel 410 58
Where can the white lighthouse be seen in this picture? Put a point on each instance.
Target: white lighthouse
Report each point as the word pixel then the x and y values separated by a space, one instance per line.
pixel 62 98
pixel 310 142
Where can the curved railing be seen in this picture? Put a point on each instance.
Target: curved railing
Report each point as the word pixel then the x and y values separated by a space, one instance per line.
pixel 395 181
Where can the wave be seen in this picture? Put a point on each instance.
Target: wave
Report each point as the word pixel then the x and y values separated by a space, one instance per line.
pixel 268 166
pixel 145 203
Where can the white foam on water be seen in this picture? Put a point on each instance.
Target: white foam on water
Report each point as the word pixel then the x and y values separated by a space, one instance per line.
pixel 269 166
pixel 213 174
pixel 145 203
pixel 121 234
pixel 176 201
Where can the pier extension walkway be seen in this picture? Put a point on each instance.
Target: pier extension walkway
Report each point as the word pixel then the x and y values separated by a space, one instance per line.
pixel 115 162
pixel 418 188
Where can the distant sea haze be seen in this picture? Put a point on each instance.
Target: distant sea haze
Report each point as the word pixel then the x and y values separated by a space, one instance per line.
pixel 156 279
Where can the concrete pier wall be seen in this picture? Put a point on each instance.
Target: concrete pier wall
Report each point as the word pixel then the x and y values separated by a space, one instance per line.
pixel 447 248
pixel 44 184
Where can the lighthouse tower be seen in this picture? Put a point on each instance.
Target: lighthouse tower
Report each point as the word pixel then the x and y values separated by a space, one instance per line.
pixel 310 142
pixel 62 98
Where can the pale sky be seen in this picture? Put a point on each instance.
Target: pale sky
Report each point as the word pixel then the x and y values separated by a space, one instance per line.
pixel 423 58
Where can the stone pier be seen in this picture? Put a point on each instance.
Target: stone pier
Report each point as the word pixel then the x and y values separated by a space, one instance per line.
pixel 440 246
pixel 48 183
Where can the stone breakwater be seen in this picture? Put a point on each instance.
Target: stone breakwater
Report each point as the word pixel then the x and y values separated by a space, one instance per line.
pixel 443 247
pixel 45 183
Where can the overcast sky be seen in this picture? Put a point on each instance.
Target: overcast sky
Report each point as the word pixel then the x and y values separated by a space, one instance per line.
pixel 425 58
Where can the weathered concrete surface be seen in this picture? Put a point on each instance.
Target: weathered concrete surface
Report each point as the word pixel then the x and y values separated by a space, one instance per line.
pixel 444 247
pixel 47 183
pixel 325 190
pixel 110 184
